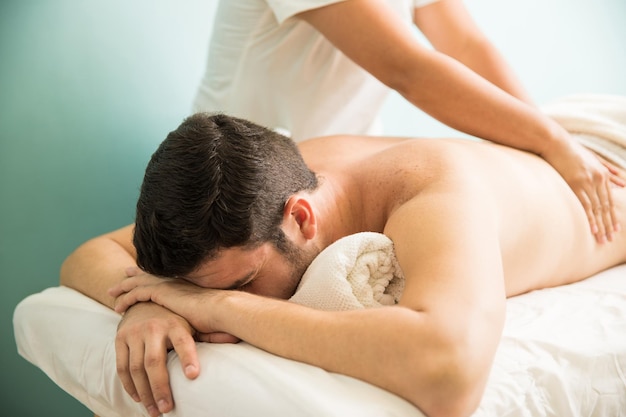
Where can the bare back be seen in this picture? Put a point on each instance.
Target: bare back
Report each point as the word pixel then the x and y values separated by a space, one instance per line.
pixel 543 233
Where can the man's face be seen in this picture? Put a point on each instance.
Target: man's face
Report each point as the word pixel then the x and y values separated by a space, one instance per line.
pixel 263 270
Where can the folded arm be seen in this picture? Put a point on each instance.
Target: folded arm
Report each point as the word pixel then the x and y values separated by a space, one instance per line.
pixel 99 263
pixel 434 349
pixel 396 348
pixel 146 332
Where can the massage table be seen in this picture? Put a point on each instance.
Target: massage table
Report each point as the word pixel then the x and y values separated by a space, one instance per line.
pixel 562 351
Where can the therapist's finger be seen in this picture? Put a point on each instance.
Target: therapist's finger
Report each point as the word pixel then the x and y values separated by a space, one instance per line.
pixel 600 206
pixel 597 218
pixel 609 215
pixel 616 176
pixel 587 203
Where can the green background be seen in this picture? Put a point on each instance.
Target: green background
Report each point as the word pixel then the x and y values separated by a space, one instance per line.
pixel 89 88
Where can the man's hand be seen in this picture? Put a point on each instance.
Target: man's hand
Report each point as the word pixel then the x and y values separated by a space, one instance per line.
pixel 590 178
pixel 145 334
pixel 148 330
pixel 181 297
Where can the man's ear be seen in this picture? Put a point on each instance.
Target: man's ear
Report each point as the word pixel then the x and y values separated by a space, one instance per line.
pixel 299 217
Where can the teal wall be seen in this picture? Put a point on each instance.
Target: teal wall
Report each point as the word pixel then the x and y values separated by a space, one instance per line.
pixel 87 91
pixel 89 88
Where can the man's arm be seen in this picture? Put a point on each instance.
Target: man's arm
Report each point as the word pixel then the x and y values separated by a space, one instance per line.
pixel 434 349
pixel 100 263
pixel 145 333
pixel 374 37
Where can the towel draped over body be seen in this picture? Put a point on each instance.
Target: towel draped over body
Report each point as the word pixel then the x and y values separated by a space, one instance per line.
pixel 597 121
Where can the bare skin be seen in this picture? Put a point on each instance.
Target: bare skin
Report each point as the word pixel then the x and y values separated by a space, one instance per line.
pixel 472 224
pixel 465 83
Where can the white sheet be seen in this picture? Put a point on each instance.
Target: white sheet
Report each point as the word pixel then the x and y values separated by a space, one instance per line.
pixel 563 353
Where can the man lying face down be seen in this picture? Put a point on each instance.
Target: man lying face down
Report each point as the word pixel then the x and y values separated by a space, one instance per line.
pixel 228 205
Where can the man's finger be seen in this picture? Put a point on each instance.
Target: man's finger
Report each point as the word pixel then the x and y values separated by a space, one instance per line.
pixel 140 380
pixel 132 271
pixel 155 365
pixel 185 347
pixel 121 362
pixel 126 300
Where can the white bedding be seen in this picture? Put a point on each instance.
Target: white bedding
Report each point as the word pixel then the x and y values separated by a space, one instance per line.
pixel 563 353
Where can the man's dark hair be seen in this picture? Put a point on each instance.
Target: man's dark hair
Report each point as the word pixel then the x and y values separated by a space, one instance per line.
pixel 216 182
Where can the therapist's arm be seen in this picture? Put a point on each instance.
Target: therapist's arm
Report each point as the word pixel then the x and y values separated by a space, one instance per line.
pixel 377 39
pixel 451 29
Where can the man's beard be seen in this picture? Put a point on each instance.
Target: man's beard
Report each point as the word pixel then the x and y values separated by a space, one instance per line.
pixel 298 260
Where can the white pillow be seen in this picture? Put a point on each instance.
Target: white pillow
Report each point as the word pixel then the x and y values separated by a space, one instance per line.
pixel 71 338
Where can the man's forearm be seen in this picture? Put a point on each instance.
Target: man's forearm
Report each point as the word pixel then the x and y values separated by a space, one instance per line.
pixel 403 351
pixel 437 360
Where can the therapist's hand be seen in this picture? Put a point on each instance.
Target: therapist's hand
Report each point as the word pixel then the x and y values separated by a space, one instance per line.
pixel 145 334
pixel 591 179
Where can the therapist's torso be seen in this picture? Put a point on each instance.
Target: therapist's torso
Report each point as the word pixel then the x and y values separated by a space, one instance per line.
pixel 274 69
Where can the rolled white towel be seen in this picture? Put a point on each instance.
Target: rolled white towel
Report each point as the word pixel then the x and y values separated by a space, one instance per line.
pixel 357 271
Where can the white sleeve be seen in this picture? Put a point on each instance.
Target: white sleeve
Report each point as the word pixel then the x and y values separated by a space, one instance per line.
pixel 422 3
pixel 284 9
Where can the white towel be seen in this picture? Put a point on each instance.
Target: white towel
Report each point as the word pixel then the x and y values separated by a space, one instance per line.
pixel 357 271
pixel 597 121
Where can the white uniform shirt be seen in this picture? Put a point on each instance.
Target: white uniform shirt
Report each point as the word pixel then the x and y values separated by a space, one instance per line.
pixel 269 67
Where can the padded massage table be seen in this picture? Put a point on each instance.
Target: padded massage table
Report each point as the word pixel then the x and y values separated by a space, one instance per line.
pixel 562 353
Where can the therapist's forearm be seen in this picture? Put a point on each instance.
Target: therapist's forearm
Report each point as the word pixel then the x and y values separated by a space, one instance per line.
pixel 461 99
pixel 483 58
